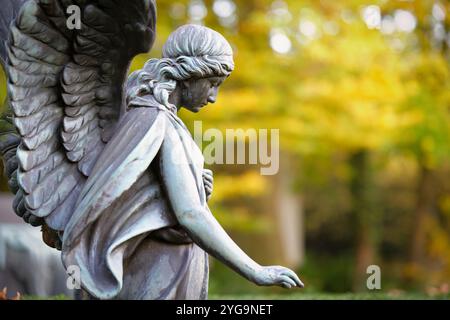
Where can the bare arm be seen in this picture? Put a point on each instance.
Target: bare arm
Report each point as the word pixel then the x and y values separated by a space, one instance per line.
pixel 202 226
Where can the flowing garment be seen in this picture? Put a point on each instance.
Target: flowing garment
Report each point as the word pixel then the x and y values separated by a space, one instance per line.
pixel 124 235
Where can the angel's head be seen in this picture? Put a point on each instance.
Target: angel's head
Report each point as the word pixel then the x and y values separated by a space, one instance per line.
pixel 195 62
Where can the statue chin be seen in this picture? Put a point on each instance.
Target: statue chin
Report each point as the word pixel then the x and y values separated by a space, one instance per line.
pixel 193 109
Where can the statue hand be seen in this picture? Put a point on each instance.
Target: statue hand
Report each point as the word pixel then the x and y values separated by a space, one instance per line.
pixel 208 182
pixel 277 276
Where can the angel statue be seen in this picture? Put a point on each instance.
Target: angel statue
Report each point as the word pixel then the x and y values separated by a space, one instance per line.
pixel 102 162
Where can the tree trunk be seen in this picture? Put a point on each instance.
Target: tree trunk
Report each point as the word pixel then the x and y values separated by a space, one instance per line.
pixel 288 208
pixel 365 219
pixel 425 200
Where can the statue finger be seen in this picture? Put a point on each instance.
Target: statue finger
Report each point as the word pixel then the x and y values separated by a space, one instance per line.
pixel 209 178
pixel 207 173
pixel 286 285
pixel 291 274
pixel 288 280
pixel 208 184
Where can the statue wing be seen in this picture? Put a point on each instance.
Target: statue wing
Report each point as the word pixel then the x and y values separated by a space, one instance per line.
pixel 65 89
pixel 9 138
pixel 8 12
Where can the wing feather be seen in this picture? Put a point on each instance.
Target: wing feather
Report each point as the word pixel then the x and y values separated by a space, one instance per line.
pixel 19 59
pixel 32 178
pixel 36 49
pixel 28 159
pixel 27 106
pixel 24 79
pixel 26 125
pixel 44 132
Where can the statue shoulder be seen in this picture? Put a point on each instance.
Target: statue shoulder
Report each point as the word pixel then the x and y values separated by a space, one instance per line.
pixel 138 120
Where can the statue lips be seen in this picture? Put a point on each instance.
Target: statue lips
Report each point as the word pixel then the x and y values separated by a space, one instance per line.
pixel 201 106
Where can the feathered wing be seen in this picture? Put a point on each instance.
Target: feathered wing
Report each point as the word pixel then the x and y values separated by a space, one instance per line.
pixel 9 137
pixel 66 92
pixel 8 12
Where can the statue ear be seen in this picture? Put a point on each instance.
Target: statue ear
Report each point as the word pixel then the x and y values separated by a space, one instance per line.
pixel 185 92
pixel 186 84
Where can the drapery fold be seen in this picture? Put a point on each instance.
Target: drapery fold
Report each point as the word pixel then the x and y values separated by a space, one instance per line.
pixel 123 200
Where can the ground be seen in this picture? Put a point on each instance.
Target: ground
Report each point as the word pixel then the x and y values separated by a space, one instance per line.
pixel 307 296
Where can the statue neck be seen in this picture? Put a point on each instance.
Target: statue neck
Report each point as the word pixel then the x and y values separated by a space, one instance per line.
pixel 175 97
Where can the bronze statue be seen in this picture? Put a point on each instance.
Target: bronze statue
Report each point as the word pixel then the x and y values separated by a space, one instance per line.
pixel 104 163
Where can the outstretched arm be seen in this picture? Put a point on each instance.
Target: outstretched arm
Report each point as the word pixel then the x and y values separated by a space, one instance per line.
pixel 201 225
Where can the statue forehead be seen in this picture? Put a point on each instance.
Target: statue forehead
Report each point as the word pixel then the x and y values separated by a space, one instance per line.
pixel 206 79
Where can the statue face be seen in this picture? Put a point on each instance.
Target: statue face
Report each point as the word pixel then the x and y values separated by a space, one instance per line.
pixel 197 93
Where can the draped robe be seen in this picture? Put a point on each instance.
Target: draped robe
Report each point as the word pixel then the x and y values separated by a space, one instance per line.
pixel 123 234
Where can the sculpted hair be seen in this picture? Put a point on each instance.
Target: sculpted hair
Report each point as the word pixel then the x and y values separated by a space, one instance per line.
pixel 191 51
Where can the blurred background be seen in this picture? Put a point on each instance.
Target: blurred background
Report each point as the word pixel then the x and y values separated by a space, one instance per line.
pixel 360 93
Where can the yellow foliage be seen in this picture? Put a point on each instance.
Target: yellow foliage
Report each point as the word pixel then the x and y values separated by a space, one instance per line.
pixel 248 184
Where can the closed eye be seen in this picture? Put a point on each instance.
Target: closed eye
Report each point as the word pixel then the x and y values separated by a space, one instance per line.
pixel 216 81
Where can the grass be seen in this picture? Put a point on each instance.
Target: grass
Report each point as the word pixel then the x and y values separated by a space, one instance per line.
pixel 333 296
pixel 303 296
pixel 58 297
